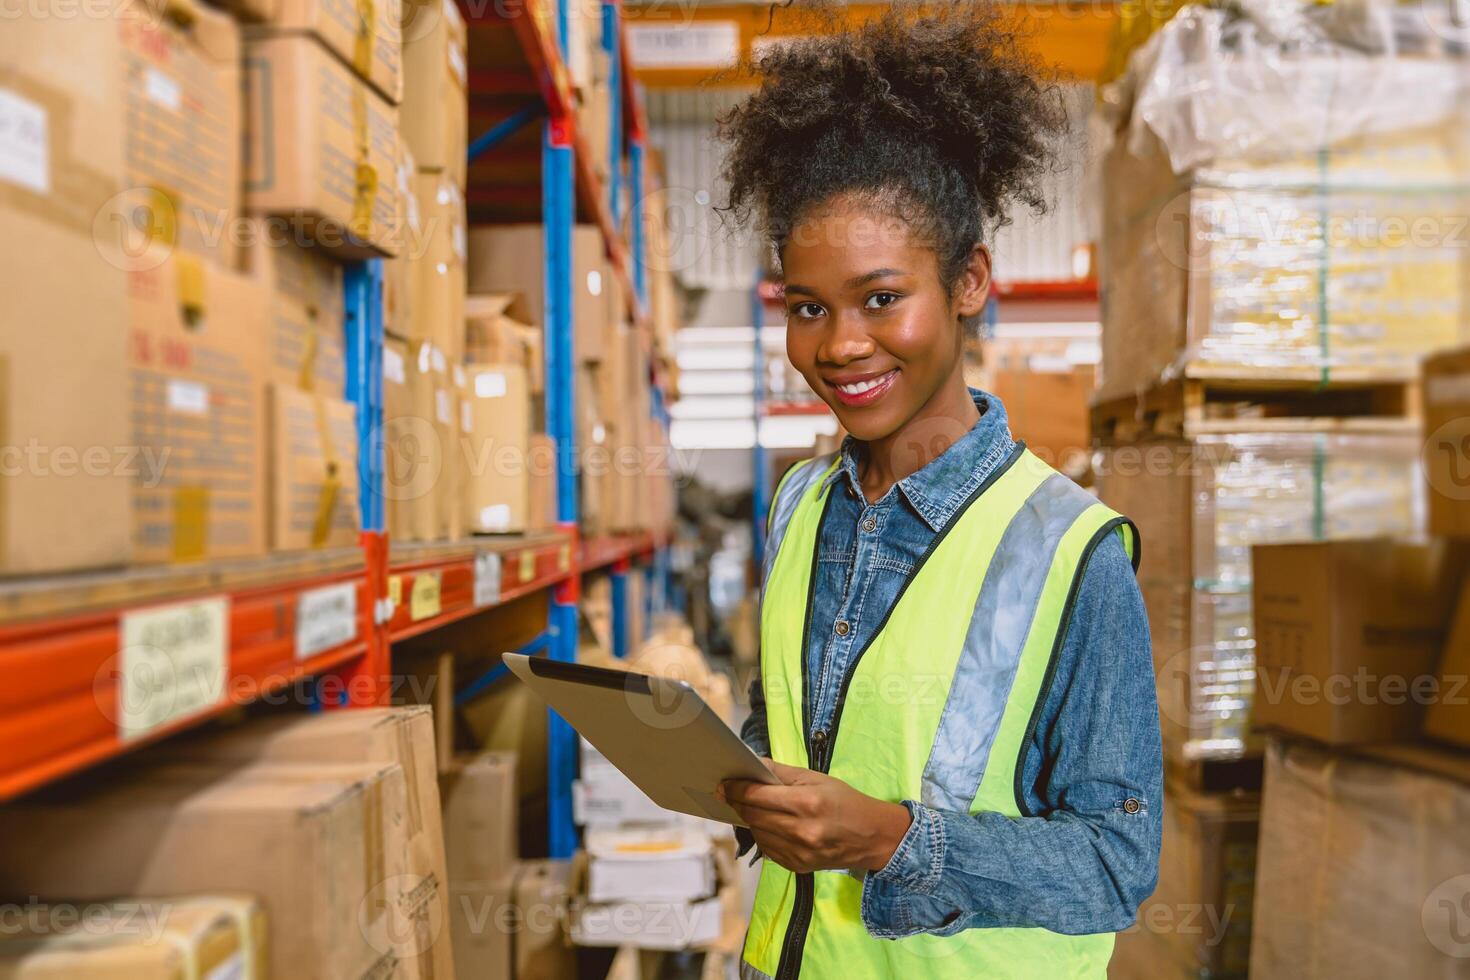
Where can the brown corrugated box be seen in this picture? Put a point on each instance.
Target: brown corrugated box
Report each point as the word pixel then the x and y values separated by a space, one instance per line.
pixel 415 431
pixel 541 494
pixel 313 485
pixel 541 947
pixel 181 71
pixel 499 330
pixel 142 939
pixel 435 108
pixel 62 386
pixel 1361 865
pixel 1447 441
pixel 396 457
pixel 322 147
pixel 190 831
pixel 398 272
pixel 402 737
pixel 197 404
pixel 512 258
pixel 367 38
pixel 458 457
pixel 439 265
pixel 481 842
pixel 1448 715
pixel 1348 634
pixel 304 334
pixel 499 481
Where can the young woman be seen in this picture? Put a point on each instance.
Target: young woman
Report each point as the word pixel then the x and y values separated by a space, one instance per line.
pixel 956 685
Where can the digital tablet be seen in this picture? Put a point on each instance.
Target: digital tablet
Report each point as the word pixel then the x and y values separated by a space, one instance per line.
pixel 659 732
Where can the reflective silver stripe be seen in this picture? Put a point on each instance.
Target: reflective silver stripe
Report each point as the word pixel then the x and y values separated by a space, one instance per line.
pixel 999 626
pixel 802 479
pixel 748 972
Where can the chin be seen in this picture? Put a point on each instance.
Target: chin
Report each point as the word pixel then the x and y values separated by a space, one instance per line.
pixel 865 426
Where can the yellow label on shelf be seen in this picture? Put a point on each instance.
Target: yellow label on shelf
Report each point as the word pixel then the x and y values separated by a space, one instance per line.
pixel 564 558
pixel 395 589
pixel 528 565
pixel 424 600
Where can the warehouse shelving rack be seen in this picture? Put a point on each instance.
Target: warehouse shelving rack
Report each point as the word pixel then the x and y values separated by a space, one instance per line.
pixel 265 624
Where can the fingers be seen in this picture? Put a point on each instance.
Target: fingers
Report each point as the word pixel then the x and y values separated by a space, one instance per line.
pixel 782 798
pixel 788 774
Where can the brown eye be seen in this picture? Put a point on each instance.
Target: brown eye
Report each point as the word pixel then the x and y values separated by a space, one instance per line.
pixel 806 311
pixel 879 300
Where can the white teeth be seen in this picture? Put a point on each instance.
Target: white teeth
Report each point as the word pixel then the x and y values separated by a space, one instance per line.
pixel 861 386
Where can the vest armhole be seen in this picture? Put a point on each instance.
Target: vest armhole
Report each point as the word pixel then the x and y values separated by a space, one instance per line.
pixel 781 485
pixel 1063 626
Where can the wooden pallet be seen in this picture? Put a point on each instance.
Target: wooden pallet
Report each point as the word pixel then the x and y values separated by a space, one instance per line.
pixel 1204 401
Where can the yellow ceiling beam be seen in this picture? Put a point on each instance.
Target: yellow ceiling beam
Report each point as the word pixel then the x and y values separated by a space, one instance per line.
pixel 1071 38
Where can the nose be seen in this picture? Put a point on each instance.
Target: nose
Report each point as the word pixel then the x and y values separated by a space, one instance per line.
pixel 846 340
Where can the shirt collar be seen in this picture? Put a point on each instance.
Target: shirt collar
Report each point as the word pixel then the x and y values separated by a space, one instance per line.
pixel 938 490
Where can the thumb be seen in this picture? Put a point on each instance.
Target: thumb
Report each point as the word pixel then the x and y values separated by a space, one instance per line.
pixel 788 774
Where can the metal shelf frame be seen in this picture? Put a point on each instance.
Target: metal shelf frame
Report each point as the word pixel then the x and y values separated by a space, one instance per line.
pixel 61 637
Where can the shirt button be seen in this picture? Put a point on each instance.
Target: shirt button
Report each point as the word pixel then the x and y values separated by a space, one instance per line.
pixel 842 627
pixel 1131 805
pixel 869 524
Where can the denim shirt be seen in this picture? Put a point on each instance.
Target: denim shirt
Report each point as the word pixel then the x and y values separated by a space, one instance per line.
pixel 1092 773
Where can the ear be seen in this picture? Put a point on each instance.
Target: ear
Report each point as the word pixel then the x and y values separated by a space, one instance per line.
pixel 974 283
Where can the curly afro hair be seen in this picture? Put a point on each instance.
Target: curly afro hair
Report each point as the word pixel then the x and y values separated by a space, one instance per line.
pixel 932 115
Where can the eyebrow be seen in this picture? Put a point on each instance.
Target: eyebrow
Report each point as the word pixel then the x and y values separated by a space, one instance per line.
pixel 852 283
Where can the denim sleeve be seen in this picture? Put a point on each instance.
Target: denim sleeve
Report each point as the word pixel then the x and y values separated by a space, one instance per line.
pixel 753 729
pixel 1086 855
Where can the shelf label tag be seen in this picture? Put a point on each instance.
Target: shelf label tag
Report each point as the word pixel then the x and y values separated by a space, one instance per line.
pixel 487 578
pixel 395 589
pixel 423 601
pixel 172 664
pixel 528 565
pixel 325 618
pixel 564 559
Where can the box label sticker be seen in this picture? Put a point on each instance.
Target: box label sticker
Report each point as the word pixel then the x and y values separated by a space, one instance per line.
pixel 528 565
pixel 487 578
pixel 189 397
pixel 423 601
pixel 466 418
pixel 393 366
pixel 395 589
pixel 25 149
pixel 163 90
pixel 496 517
pixel 172 664
pixel 490 384
pixel 441 406
pixel 707 44
pixel 325 618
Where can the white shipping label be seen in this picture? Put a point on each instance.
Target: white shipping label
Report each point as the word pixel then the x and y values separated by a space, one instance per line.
pixel 426 357
pixel 706 44
pixel 466 417
pixel 172 664
pixel 459 375
pixel 490 384
pixel 189 397
pixel 325 618
pixel 461 248
pixel 594 282
pixel 496 517
pixel 25 149
pixel 440 364
pixel 393 366
pixel 441 405
pixel 230 969
pixel 487 578
pixel 163 90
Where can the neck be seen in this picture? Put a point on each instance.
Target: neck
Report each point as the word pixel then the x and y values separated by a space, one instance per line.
pixel 940 423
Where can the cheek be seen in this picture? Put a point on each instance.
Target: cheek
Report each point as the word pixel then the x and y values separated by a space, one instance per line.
pixel 920 339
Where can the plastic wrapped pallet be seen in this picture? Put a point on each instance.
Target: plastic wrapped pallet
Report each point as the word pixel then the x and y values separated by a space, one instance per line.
pixel 1200 505
pixel 1197 923
pixel 1362 865
pixel 1277 202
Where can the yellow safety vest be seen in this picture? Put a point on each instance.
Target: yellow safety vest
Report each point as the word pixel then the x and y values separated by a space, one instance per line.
pixel 978 624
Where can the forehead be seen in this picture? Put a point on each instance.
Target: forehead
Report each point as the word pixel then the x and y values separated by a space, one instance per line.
pixel 846 238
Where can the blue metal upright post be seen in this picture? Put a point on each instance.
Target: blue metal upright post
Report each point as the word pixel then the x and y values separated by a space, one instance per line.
pixel 619 580
pixel 558 204
pixel 363 339
pixel 759 476
pixel 635 179
pixel 611 43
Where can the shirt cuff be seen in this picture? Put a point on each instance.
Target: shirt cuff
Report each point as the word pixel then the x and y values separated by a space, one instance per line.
pixel 918 862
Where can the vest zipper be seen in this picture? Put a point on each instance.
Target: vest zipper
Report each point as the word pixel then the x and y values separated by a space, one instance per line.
pixel 819 751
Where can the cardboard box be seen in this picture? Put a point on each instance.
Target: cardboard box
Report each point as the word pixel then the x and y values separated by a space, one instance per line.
pixel 1197 923
pixel 322 147
pixel 540 943
pixel 673 863
pixel 190 831
pixel 313 486
pixel 512 258
pixel 1446 397
pixel 1360 870
pixel 61 386
pixel 399 271
pixel 415 428
pixel 143 939
pixel 1348 634
pixel 480 812
pixel 197 405
pixel 181 73
pixel 372 45
pixel 498 330
pixel 1447 716
pixel 304 333
pixel 542 475
pixel 439 265
pixel 647 924
pixel 1048 410
pixel 482 923
pixel 436 85
pixel 499 481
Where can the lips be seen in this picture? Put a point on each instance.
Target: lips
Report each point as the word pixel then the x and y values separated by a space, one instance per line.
pixel 865 389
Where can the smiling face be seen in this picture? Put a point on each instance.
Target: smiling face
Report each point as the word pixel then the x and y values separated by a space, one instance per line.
pixel 871 325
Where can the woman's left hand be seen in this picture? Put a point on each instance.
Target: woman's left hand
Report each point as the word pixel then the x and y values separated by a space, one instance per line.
pixel 815 822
